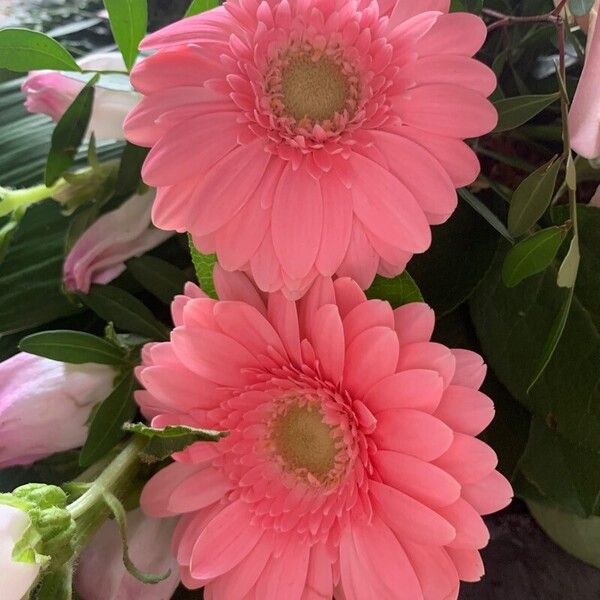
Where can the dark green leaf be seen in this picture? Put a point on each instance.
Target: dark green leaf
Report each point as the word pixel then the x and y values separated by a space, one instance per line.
pixel 204 265
pixel 513 326
pixel 486 213
pixel 199 6
pixel 129 176
pixel 532 256
pixel 68 134
pixel 444 280
pixel 580 8
pixel 120 515
pixel 577 536
pixel 158 276
pixel 514 112
pixel 124 310
pixel 53 470
pixel 128 23
pixel 531 199
pixel 397 291
pixel 162 443
pixel 25 50
pixel 74 347
pixel 105 430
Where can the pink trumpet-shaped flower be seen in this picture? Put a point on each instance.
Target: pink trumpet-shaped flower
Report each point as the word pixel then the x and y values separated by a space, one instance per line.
pixel 101 574
pixel 584 118
pixel 52 92
pixel 45 406
pixel 99 255
pixel 300 138
pixel 351 464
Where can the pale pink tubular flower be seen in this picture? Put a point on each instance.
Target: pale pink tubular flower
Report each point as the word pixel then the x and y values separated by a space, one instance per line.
pixel 584 118
pixel 52 92
pixel 45 405
pixel 299 138
pixel 99 255
pixel 101 574
pixel 351 464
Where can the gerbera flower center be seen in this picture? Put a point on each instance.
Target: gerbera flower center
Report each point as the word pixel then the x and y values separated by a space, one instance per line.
pixel 303 441
pixel 316 90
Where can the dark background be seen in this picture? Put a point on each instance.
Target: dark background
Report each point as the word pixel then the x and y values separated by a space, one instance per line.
pixel 521 562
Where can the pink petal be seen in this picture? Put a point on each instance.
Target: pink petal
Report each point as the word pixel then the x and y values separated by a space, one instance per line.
pixel 284 317
pixel 470 369
pixel 373 564
pixel 490 494
pixel 412 432
pixel 403 11
pixel 414 322
pixel 361 260
pixel 199 491
pixel 265 266
pixel 369 358
pixel 386 207
pixel 417 478
pixel 337 225
pixel 447 109
pixel 465 410
pixel 225 542
pixel 348 295
pixel 157 492
pixel 327 338
pixel 468 563
pixel 297 221
pixel 366 315
pixel 319 580
pixel 471 531
pixel 468 459
pixel 238 287
pixel 428 355
pixel 435 570
pixel 418 389
pixel 460 34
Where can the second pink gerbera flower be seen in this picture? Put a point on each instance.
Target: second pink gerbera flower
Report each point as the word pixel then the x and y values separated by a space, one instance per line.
pixel 351 462
pixel 299 138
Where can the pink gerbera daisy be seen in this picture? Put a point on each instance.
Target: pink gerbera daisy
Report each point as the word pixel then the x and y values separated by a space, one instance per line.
pixel 299 138
pixel 350 467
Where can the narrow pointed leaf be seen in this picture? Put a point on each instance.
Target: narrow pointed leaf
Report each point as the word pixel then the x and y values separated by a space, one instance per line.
pixel 159 277
pixel 204 265
pixel 397 291
pixel 476 204
pixel 531 256
pixel 128 23
pixel 514 112
pixel 200 6
pixel 567 274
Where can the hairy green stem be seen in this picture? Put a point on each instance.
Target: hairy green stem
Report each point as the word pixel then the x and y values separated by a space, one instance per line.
pixel 11 200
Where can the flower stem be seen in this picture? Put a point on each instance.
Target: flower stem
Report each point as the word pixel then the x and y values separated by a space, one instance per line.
pixel 11 200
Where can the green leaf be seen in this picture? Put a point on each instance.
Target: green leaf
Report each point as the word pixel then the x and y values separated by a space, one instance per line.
pixel 128 23
pixel 129 176
pixel 577 536
pixel 124 310
pixel 531 199
pixel 580 8
pixel 120 515
pixel 24 50
pixel 52 470
pixel 158 276
pixel 199 6
pixel 162 443
pixel 444 281
pixel 567 274
pixel 68 134
pixel 532 256
pixel 105 429
pixel 30 275
pixel 478 206
pixel 514 112
pixel 204 265
pixel 558 472
pixel 514 326
pixel 397 291
pixel 75 347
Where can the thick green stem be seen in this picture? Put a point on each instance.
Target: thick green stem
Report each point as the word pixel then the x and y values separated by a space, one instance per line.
pixel 11 200
pixel 90 510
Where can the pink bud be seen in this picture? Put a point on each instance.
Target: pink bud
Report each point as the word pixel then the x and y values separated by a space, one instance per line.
pixel 99 255
pixel 17 577
pixel 101 574
pixel 45 404
pixel 52 92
